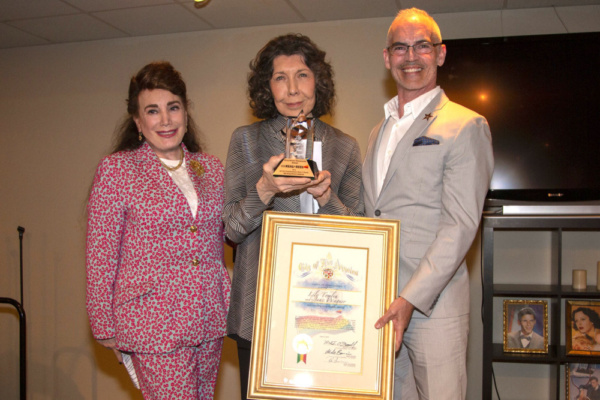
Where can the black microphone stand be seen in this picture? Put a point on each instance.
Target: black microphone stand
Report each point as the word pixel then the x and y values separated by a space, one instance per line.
pixel 21 232
pixel 22 324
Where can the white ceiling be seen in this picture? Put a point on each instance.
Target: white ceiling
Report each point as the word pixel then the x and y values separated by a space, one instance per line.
pixel 39 22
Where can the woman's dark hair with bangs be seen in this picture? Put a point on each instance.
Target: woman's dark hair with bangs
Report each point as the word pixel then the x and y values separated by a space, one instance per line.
pixel 156 75
pixel 261 71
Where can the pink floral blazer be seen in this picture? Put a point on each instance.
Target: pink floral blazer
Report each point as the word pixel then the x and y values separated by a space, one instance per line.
pixel 156 277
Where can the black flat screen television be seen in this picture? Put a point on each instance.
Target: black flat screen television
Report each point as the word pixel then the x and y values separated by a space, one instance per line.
pixel 540 95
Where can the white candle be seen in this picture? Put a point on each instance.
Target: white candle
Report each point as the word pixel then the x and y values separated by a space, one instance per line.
pixel 579 279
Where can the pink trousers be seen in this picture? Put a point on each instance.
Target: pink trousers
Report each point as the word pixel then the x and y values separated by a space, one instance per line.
pixel 188 373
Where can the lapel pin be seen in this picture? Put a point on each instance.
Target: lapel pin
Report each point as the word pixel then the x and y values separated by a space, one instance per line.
pixel 427 116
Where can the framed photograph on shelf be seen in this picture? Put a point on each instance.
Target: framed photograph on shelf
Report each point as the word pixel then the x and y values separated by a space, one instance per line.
pixel 582 381
pixel 323 282
pixel 525 326
pixel 583 327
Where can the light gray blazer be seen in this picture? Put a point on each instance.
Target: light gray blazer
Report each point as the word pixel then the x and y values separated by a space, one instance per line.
pixel 437 192
pixel 250 147
pixel 514 341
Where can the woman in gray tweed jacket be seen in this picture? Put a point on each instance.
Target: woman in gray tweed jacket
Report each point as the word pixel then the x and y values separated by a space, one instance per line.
pixel 287 76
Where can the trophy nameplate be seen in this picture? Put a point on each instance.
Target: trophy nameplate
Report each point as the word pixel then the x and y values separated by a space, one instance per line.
pixel 298 163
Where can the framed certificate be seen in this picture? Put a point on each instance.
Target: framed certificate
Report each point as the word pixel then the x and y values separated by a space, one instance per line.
pixel 323 283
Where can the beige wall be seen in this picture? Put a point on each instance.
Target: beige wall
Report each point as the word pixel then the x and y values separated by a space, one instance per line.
pixel 59 106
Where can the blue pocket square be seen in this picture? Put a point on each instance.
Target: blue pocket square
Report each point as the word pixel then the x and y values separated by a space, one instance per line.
pixel 425 141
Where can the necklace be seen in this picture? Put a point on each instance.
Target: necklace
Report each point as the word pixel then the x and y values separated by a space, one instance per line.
pixel 175 167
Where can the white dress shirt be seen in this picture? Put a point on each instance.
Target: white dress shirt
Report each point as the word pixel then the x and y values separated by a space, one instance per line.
pixel 396 128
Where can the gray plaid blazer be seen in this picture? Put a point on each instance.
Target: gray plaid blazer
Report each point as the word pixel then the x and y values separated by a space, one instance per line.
pixel 250 147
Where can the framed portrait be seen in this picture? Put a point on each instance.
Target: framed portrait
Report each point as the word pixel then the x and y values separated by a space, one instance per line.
pixel 323 282
pixel 583 327
pixel 525 326
pixel 582 381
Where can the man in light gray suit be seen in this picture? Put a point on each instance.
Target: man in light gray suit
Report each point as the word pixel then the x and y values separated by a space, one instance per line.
pixel 429 164
pixel 525 337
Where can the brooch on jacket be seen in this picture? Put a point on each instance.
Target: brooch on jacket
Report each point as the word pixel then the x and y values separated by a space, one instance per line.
pixel 197 167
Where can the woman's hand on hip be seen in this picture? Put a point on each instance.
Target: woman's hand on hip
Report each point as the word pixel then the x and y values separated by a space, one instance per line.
pixel 112 344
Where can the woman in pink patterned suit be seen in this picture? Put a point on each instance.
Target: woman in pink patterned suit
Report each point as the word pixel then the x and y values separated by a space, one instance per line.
pixel 157 286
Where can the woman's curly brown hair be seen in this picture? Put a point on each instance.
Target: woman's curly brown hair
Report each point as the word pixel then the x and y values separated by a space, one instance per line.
pixel 261 71
pixel 156 75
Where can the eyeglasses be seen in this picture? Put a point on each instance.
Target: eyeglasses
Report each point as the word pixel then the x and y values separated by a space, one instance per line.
pixel 400 49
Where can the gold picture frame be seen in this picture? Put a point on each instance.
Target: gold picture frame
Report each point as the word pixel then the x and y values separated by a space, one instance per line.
pixel 323 282
pixel 525 326
pixel 582 378
pixel 582 328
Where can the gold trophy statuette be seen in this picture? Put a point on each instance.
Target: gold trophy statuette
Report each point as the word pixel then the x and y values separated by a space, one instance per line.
pixel 298 161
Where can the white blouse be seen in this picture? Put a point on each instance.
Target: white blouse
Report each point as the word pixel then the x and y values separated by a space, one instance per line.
pixel 182 179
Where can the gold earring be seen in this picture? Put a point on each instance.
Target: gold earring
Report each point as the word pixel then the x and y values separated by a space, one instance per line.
pixel 140 136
